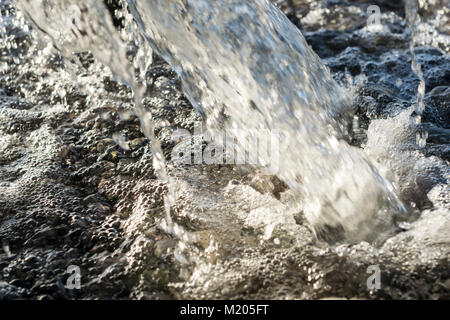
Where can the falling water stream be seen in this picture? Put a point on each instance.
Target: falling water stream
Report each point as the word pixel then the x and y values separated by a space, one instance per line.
pixel 243 66
pixel 76 26
pixel 411 9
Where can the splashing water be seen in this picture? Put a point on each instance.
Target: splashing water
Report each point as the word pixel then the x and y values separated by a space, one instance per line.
pixel 247 61
pixel 398 141
pixel 411 9
pixel 243 66
pixel 76 26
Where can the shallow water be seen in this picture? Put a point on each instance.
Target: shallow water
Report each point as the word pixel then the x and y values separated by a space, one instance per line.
pixel 246 240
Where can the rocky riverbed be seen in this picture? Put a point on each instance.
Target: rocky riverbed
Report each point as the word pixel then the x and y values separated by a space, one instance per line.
pixel 71 195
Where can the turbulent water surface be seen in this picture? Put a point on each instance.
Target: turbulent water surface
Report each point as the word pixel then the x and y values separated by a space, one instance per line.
pixel 92 92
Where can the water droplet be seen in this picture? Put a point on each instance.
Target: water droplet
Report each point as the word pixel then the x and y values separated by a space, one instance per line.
pixel 120 140
pixel 421 138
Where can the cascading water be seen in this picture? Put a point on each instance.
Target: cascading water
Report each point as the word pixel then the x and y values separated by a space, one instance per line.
pixel 76 26
pixel 249 62
pixel 79 185
pixel 244 66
